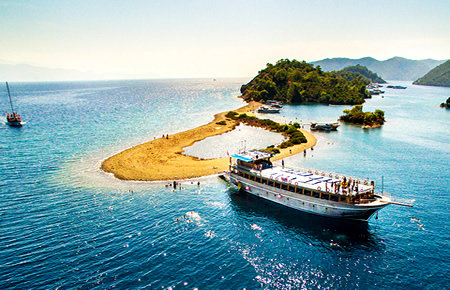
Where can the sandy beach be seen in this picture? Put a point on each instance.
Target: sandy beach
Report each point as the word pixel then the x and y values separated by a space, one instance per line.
pixel 163 159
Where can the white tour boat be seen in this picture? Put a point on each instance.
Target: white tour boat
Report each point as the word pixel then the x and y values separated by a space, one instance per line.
pixel 312 191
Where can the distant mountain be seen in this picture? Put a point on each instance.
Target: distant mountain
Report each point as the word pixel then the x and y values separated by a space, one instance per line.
pixel 439 76
pixel 396 68
pixel 351 71
pixel 26 72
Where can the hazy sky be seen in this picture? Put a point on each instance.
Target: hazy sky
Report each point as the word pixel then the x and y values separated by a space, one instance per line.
pixel 215 38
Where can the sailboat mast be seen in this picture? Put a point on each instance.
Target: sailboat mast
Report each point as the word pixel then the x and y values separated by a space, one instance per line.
pixel 10 101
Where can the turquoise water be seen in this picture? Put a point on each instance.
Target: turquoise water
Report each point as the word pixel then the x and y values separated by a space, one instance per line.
pixel 66 224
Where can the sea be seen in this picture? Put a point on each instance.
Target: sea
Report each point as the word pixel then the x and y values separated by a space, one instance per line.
pixel 66 224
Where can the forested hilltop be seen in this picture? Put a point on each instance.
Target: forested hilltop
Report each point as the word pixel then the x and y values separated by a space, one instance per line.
pixel 356 71
pixel 439 76
pixel 298 82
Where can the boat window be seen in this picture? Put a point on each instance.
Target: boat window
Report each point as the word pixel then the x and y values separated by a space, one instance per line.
pixel 307 192
pixel 284 186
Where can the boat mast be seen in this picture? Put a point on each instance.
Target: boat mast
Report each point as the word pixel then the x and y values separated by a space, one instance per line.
pixel 10 101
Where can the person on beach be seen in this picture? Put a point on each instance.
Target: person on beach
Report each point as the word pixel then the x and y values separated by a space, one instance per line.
pixel 282 163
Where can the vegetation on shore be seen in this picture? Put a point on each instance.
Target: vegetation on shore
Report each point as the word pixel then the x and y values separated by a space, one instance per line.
pixel 357 116
pixel 360 72
pixel 438 76
pixel 292 132
pixel 299 82
pixel 446 104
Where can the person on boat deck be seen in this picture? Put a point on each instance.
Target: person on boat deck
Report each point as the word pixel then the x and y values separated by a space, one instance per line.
pixel 344 185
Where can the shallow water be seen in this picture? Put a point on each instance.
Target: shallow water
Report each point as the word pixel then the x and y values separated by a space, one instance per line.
pixel 242 138
pixel 66 224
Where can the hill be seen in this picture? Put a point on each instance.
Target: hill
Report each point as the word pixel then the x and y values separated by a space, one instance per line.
pixel 396 68
pixel 367 119
pixel 351 72
pixel 439 76
pixel 300 82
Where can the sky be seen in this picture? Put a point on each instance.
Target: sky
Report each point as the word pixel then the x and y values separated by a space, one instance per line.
pixel 189 39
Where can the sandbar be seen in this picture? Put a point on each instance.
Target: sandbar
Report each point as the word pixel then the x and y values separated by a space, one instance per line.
pixel 163 159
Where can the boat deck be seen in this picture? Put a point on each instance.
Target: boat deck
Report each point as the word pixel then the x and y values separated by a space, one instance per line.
pixel 312 179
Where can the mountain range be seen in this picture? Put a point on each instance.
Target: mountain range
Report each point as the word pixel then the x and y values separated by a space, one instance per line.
pixel 26 72
pixel 396 68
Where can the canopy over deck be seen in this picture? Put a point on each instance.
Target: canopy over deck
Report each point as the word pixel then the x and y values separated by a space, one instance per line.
pixel 251 156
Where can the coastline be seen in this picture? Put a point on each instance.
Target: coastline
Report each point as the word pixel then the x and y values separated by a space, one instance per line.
pixel 163 159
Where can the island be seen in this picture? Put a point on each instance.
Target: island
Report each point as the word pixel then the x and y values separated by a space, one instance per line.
pixel 366 119
pixel 287 81
pixel 300 82
pixel 438 76
pixel 163 158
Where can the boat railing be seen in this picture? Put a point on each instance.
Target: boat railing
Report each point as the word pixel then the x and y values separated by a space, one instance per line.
pixel 326 174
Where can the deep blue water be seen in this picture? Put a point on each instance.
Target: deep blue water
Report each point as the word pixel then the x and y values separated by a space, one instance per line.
pixel 63 223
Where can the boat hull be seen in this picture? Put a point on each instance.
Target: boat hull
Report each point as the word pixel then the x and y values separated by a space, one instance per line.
pixel 14 123
pixel 307 203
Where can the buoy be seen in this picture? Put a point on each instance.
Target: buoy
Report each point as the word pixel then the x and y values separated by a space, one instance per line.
pixel 318 188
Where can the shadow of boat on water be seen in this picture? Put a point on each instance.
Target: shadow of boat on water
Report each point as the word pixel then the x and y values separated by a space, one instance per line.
pixel 331 233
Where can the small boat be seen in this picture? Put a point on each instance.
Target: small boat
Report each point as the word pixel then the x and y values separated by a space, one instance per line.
pixel 273 103
pixel 271 109
pixel 396 87
pixel 13 119
pixel 312 191
pixel 324 126
pixel 376 92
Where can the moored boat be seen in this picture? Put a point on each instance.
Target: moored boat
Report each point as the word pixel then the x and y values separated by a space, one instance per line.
pixel 324 126
pixel 273 103
pixel 265 109
pixel 13 119
pixel 311 191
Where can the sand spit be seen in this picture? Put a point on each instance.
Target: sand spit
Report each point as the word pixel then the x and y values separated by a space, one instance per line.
pixel 162 159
